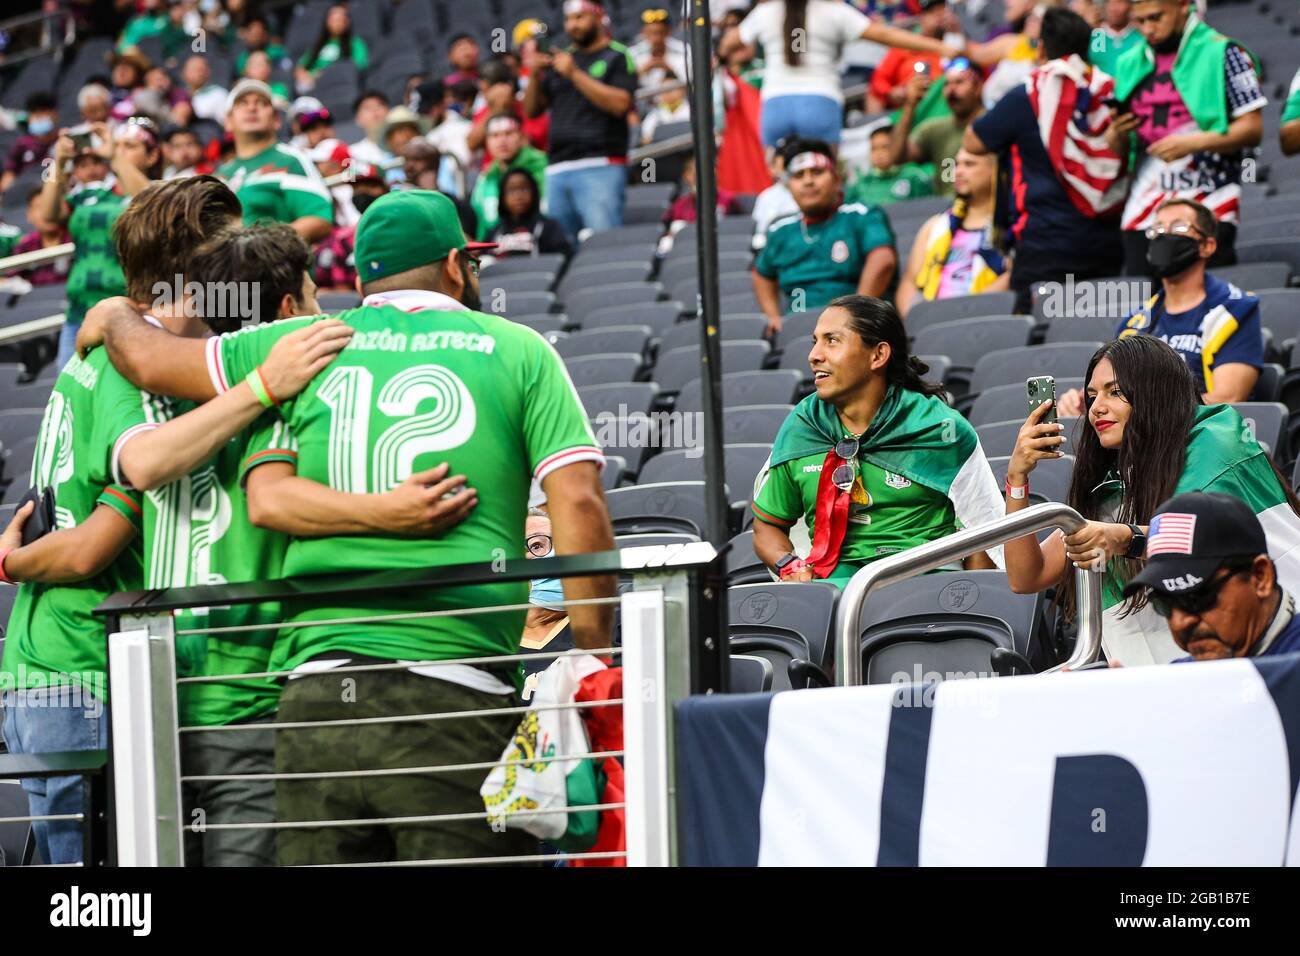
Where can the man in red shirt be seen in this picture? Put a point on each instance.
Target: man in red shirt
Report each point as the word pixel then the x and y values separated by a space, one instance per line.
pixel 888 86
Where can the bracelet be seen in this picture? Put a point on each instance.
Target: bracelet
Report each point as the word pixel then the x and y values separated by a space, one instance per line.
pixel 4 578
pixel 797 565
pixel 260 390
pixel 1017 492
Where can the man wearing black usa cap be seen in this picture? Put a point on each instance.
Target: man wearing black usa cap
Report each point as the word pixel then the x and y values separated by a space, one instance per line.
pixel 1209 574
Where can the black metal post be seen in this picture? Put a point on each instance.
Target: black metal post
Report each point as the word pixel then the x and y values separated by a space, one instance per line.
pixel 710 667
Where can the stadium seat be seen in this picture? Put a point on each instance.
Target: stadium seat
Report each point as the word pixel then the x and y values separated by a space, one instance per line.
pixel 1081 329
pixel 1268 387
pixel 621 400
pixel 551 262
pixel 924 314
pixel 772 387
pixel 641 234
pixel 903 635
pixel 337 301
pixel 660 316
pixel 741 461
pixel 1286 227
pixel 743 565
pixel 603 341
pixel 1005 366
pixel 743 303
pixel 783 622
pixel 965 341
pixel 1279 310
pixel 1005 402
pixel 634 438
pixel 737 329
pixel 675 270
pixel 582 276
pixel 1270 250
pixel 544 323
pixel 754 424
pixel 687 288
pixel 523 303
pixel 1267 420
pixel 751 675
pixel 998 439
pixel 650 539
pixel 1050 480
pixel 939 367
pixel 674 369
pixel 594 254
pixel 581 304
pixel 670 506
pixel 1254 276
pixel 617 368
pixel 17 424
pixel 611 476
pixel 515 282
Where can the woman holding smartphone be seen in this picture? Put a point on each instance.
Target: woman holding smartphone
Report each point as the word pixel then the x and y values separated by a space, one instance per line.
pixel 1147 437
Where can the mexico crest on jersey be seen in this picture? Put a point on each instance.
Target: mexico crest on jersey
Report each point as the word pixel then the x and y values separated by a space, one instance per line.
pixel 896 481
pixel 840 251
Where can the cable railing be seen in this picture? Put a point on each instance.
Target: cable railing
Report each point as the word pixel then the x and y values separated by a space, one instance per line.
pixel 667 593
pixel 93 817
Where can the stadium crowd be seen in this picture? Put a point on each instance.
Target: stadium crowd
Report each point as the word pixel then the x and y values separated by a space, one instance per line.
pixel 396 165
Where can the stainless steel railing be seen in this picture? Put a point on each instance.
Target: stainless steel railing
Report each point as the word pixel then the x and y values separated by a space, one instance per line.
pixel 935 554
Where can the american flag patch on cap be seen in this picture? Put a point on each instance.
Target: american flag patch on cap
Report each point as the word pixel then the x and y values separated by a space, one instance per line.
pixel 1171 533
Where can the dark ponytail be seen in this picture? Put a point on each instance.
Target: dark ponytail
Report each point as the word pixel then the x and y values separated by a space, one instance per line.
pixel 876 321
pixel 796 25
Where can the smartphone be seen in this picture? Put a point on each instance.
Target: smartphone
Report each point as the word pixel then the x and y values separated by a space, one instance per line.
pixel 543 42
pixel 42 520
pixel 1039 389
pixel 1111 103
pixel 82 138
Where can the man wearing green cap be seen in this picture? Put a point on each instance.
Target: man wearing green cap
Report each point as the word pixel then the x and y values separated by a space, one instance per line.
pixel 425 378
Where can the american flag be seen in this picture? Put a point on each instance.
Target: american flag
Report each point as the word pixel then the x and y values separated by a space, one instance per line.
pixel 1171 532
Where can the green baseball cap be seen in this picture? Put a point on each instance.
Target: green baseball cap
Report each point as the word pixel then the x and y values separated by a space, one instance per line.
pixel 407 229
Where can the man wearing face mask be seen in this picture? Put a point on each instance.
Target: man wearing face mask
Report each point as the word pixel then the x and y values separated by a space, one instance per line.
pixel 547 626
pixel 1214 325
pixel 1191 104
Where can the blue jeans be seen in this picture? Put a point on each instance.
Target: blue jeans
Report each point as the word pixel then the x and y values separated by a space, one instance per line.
pixel 50 720
pixel 802 116
pixel 586 198
pixel 67 344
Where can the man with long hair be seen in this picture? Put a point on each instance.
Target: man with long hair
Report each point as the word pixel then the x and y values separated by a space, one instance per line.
pixel 874 462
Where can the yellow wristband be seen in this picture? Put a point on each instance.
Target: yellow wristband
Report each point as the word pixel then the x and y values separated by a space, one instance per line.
pixel 254 380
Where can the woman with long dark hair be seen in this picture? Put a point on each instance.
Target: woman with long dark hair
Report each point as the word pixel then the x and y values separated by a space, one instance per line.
pixel 803 42
pixel 1147 438
pixel 522 229
pixel 334 42
pixel 874 462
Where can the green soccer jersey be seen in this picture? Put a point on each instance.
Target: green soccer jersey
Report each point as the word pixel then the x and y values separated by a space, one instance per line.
pixel 422 381
pixel 888 512
pixel 1106 47
pixel 1291 109
pixel 52 637
pixel 279 184
pixel 95 273
pixel 814 263
pixel 876 188
pixel 196 532
pixel 486 197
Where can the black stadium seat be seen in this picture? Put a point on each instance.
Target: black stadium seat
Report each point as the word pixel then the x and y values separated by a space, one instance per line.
pixel 1270 250
pixel 769 387
pixel 19 423
pixel 1267 421
pixel 743 565
pixel 604 369
pixel 998 439
pixel 751 675
pixel 1005 402
pixel 754 424
pixel 923 314
pixel 629 398
pixel 602 341
pixel 552 263
pixel 662 317
pixel 1049 481
pixel 582 276
pixel 1081 329
pixel 1254 276
pixel 674 369
pixel 730 329
pixel 515 282
pixel 581 304
pixel 741 461
pixel 965 341
pixel 1006 366
pixel 669 506
pixel 783 622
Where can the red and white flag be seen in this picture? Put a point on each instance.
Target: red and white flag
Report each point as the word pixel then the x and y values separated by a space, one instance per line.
pixel 1068 97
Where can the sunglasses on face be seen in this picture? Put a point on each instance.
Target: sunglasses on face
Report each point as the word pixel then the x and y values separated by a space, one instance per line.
pixel 1195 602
pixel 473 264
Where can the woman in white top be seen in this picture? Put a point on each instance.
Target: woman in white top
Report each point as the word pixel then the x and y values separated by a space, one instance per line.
pixel 802 42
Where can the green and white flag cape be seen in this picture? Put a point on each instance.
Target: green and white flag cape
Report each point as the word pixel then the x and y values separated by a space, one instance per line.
pixel 914 435
pixel 1223 456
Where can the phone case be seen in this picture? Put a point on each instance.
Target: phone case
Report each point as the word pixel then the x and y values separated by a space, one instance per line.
pixel 41 521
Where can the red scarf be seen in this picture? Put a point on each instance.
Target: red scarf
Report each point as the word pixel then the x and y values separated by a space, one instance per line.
pixel 832 519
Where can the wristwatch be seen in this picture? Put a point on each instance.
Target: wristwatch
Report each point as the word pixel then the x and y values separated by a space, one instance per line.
pixel 784 561
pixel 1138 546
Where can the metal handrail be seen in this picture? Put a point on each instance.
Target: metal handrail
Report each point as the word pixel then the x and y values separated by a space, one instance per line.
pixel 37 257
pixel 935 554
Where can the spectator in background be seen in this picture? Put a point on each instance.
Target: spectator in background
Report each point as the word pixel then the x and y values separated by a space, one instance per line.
pixel 522 229
pixel 401 126
pixel 671 106
pixel 33 146
pixel 1288 133
pixel 420 170
pixel 258 67
pixel 683 210
pixel 161 100
pixel 1011 56
pixel 447 130
pixel 46 232
pixel 154 19
pixel 888 88
pixel 776 201
pixel 883 182
pixel 127 76
pixel 547 626
pixel 1147 438
pixel 463 56
pixel 369 112
pixel 1115 36
pixel 335 42
pixel 505 140
pixel 1212 324
pixel 801 82
pixel 658 53
pixel 937 139
pixel 90 206
pixel 274 182
pixel 462 97
pixel 207 99
pixel 256 37
pixel 499 84
pixel 1063 207
pixel 1217 588
pixel 94 103
pixel 335 267
pixel 590 89
pixel 838 462
pixel 310 123
pixel 958 252
pixel 1193 103
pixel 182 153
pixel 826 251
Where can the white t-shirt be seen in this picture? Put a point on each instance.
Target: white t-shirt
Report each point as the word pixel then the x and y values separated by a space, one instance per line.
pixel 831 25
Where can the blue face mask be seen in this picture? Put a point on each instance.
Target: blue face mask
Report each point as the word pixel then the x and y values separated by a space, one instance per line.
pixel 547 593
pixel 40 126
